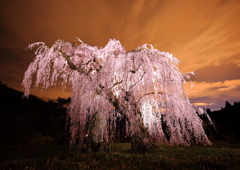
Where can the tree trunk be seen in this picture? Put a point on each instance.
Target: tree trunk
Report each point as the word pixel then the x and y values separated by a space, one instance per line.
pixel 93 141
pixel 141 140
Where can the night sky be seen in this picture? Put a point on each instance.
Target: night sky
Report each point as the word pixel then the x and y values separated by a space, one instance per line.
pixel 203 34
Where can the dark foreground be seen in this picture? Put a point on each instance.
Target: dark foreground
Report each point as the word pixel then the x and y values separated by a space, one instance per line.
pixel 220 155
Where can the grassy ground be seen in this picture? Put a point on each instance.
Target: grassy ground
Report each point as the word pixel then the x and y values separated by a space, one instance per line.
pixel 220 155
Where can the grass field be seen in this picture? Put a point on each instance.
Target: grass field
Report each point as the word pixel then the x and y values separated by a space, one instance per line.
pixel 220 155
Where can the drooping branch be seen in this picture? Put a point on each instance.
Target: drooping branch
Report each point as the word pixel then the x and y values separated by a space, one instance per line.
pixel 80 68
pixel 134 71
pixel 137 82
pixel 67 57
pixel 99 89
pixel 116 84
pixel 161 93
pixel 100 66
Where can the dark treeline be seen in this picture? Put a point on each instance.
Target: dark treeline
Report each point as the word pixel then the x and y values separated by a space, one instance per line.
pixel 30 121
pixel 226 122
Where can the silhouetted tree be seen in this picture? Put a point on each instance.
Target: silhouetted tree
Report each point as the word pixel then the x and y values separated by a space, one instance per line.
pixel 226 120
pixel 227 105
pixel 22 119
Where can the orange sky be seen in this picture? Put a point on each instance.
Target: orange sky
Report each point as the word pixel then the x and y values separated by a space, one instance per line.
pixel 203 34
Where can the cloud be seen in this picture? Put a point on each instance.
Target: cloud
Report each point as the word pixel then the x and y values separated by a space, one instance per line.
pixel 227 69
pixel 202 104
pixel 214 39
pixel 13 64
pixel 214 92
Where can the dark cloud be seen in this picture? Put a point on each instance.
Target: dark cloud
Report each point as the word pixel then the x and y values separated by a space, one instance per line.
pixel 13 63
pixel 226 70
pixel 220 87
pixel 201 99
pixel 213 104
pixel 213 95
pixel 9 39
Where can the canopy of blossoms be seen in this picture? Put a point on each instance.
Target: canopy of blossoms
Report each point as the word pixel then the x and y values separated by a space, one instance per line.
pixel 143 85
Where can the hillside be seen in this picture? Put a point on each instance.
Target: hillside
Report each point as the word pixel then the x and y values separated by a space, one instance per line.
pixel 25 121
pixel 226 121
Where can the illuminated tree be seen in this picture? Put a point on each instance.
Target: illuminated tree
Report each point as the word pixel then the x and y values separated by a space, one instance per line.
pixel 143 85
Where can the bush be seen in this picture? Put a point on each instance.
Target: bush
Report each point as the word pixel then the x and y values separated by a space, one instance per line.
pixel 42 140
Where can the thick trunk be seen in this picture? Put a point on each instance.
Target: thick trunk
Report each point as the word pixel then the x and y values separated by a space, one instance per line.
pixel 94 141
pixel 141 140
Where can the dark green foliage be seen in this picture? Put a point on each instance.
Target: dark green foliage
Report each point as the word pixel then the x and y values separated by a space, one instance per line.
pixel 226 121
pixel 25 121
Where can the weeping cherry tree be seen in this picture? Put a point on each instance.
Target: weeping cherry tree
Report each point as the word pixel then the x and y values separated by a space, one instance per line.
pixel 144 86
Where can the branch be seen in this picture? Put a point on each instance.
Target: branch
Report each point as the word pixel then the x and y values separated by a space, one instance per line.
pixel 161 93
pixel 73 67
pixel 99 89
pixel 67 57
pixel 116 103
pixel 136 82
pixel 134 71
pixel 116 84
pixel 94 60
pixel 109 95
